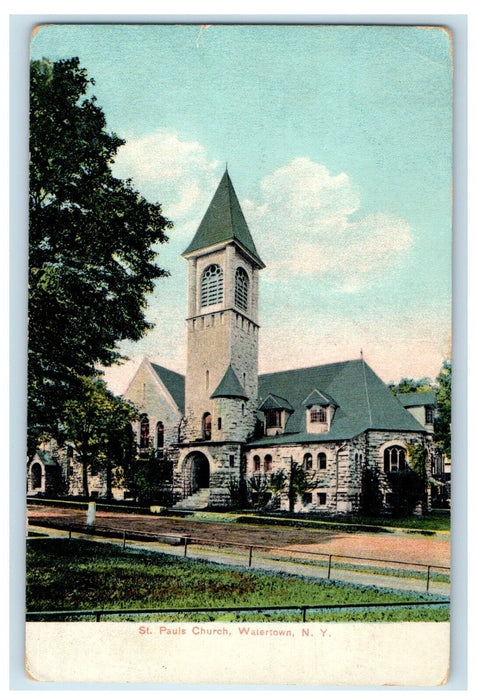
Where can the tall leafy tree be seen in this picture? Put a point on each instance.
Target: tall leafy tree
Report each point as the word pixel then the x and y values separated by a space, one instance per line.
pixel 98 423
pixel 91 245
pixel 442 427
pixel 442 386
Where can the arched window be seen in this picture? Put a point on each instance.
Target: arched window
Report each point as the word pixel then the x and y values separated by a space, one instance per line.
pixel 256 463
pixel 212 286
pixel 206 426
pixel 394 458
pixel 267 463
pixel 159 435
pixel 321 460
pixel 308 461
pixel 144 432
pixel 241 288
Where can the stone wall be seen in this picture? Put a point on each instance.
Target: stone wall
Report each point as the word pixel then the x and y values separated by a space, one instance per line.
pixel 224 464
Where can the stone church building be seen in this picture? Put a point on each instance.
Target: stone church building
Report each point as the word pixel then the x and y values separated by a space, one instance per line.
pixel 224 424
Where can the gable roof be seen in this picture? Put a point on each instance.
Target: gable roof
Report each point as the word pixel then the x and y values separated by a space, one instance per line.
pixel 272 401
pixel 363 401
pixel 418 398
pixel 47 458
pixel 224 221
pixel 229 386
pixel 174 383
pixel 319 398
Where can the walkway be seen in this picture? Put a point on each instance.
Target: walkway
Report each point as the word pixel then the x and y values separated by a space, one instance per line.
pixel 269 562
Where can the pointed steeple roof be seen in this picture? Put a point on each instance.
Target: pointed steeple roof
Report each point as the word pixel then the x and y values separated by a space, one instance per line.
pixel 224 221
pixel 229 387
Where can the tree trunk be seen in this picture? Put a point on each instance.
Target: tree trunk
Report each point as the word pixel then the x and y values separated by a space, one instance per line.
pixel 85 480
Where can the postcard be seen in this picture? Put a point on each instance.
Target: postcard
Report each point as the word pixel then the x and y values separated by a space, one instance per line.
pixel 240 354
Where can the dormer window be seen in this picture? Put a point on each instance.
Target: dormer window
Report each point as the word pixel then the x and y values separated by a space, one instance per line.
pixel 273 418
pixel 318 419
pixel 318 415
pixel 430 414
pixel 276 411
pixel 320 411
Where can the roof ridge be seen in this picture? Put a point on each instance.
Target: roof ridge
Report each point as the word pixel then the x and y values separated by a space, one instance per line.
pixel 311 367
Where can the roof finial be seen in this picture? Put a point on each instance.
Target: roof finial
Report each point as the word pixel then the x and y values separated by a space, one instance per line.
pixel 361 353
pixel 226 166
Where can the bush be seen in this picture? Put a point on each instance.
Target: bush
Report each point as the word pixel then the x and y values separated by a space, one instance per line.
pixel 371 495
pixel 408 490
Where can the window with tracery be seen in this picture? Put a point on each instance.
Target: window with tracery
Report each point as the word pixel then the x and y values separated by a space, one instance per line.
pixel 212 286
pixel 241 288
pixel 308 461
pixel 394 458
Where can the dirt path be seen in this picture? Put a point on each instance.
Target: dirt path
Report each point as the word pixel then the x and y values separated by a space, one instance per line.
pixel 414 548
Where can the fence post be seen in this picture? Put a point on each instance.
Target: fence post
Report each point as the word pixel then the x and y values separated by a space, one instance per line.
pixel 250 557
pixel 428 577
pixel 124 539
pixel 186 539
pixel 329 566
pixel 304 613
pixel 69 535
pixel 98 615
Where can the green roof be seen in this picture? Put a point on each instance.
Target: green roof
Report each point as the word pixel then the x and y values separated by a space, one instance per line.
pixel 363 401
pixel 319 398
pixel 229 387
pixel 47 458
pixel 174 383
pixel 224 221
pixel 418 398
pixel 272 401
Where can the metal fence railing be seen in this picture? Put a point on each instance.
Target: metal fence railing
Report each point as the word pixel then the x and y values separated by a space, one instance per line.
pixel 249 552
pixel 57 615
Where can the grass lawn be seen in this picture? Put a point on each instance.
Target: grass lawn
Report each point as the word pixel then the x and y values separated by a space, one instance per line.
pixel 79 575
pixel 427 524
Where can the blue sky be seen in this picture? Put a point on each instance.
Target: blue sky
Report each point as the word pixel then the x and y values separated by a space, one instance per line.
pixel 338 142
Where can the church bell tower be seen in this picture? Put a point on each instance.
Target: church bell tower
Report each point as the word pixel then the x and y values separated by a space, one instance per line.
pixel 222 340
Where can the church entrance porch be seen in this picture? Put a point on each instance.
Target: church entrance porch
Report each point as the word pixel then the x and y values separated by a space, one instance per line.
pixel 195 478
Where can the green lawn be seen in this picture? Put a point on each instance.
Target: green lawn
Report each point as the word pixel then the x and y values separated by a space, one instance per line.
pixel 427 524
pixel 78 575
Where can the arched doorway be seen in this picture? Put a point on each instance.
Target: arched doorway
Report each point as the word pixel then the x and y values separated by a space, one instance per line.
pixel 199 471
pixel 36 476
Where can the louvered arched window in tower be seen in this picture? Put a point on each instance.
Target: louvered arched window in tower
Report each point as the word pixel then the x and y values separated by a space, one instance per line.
pixel 212 286
pixel 241 288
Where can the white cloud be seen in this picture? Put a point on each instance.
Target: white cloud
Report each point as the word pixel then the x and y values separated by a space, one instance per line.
pixel 307 222
pixel 163 168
